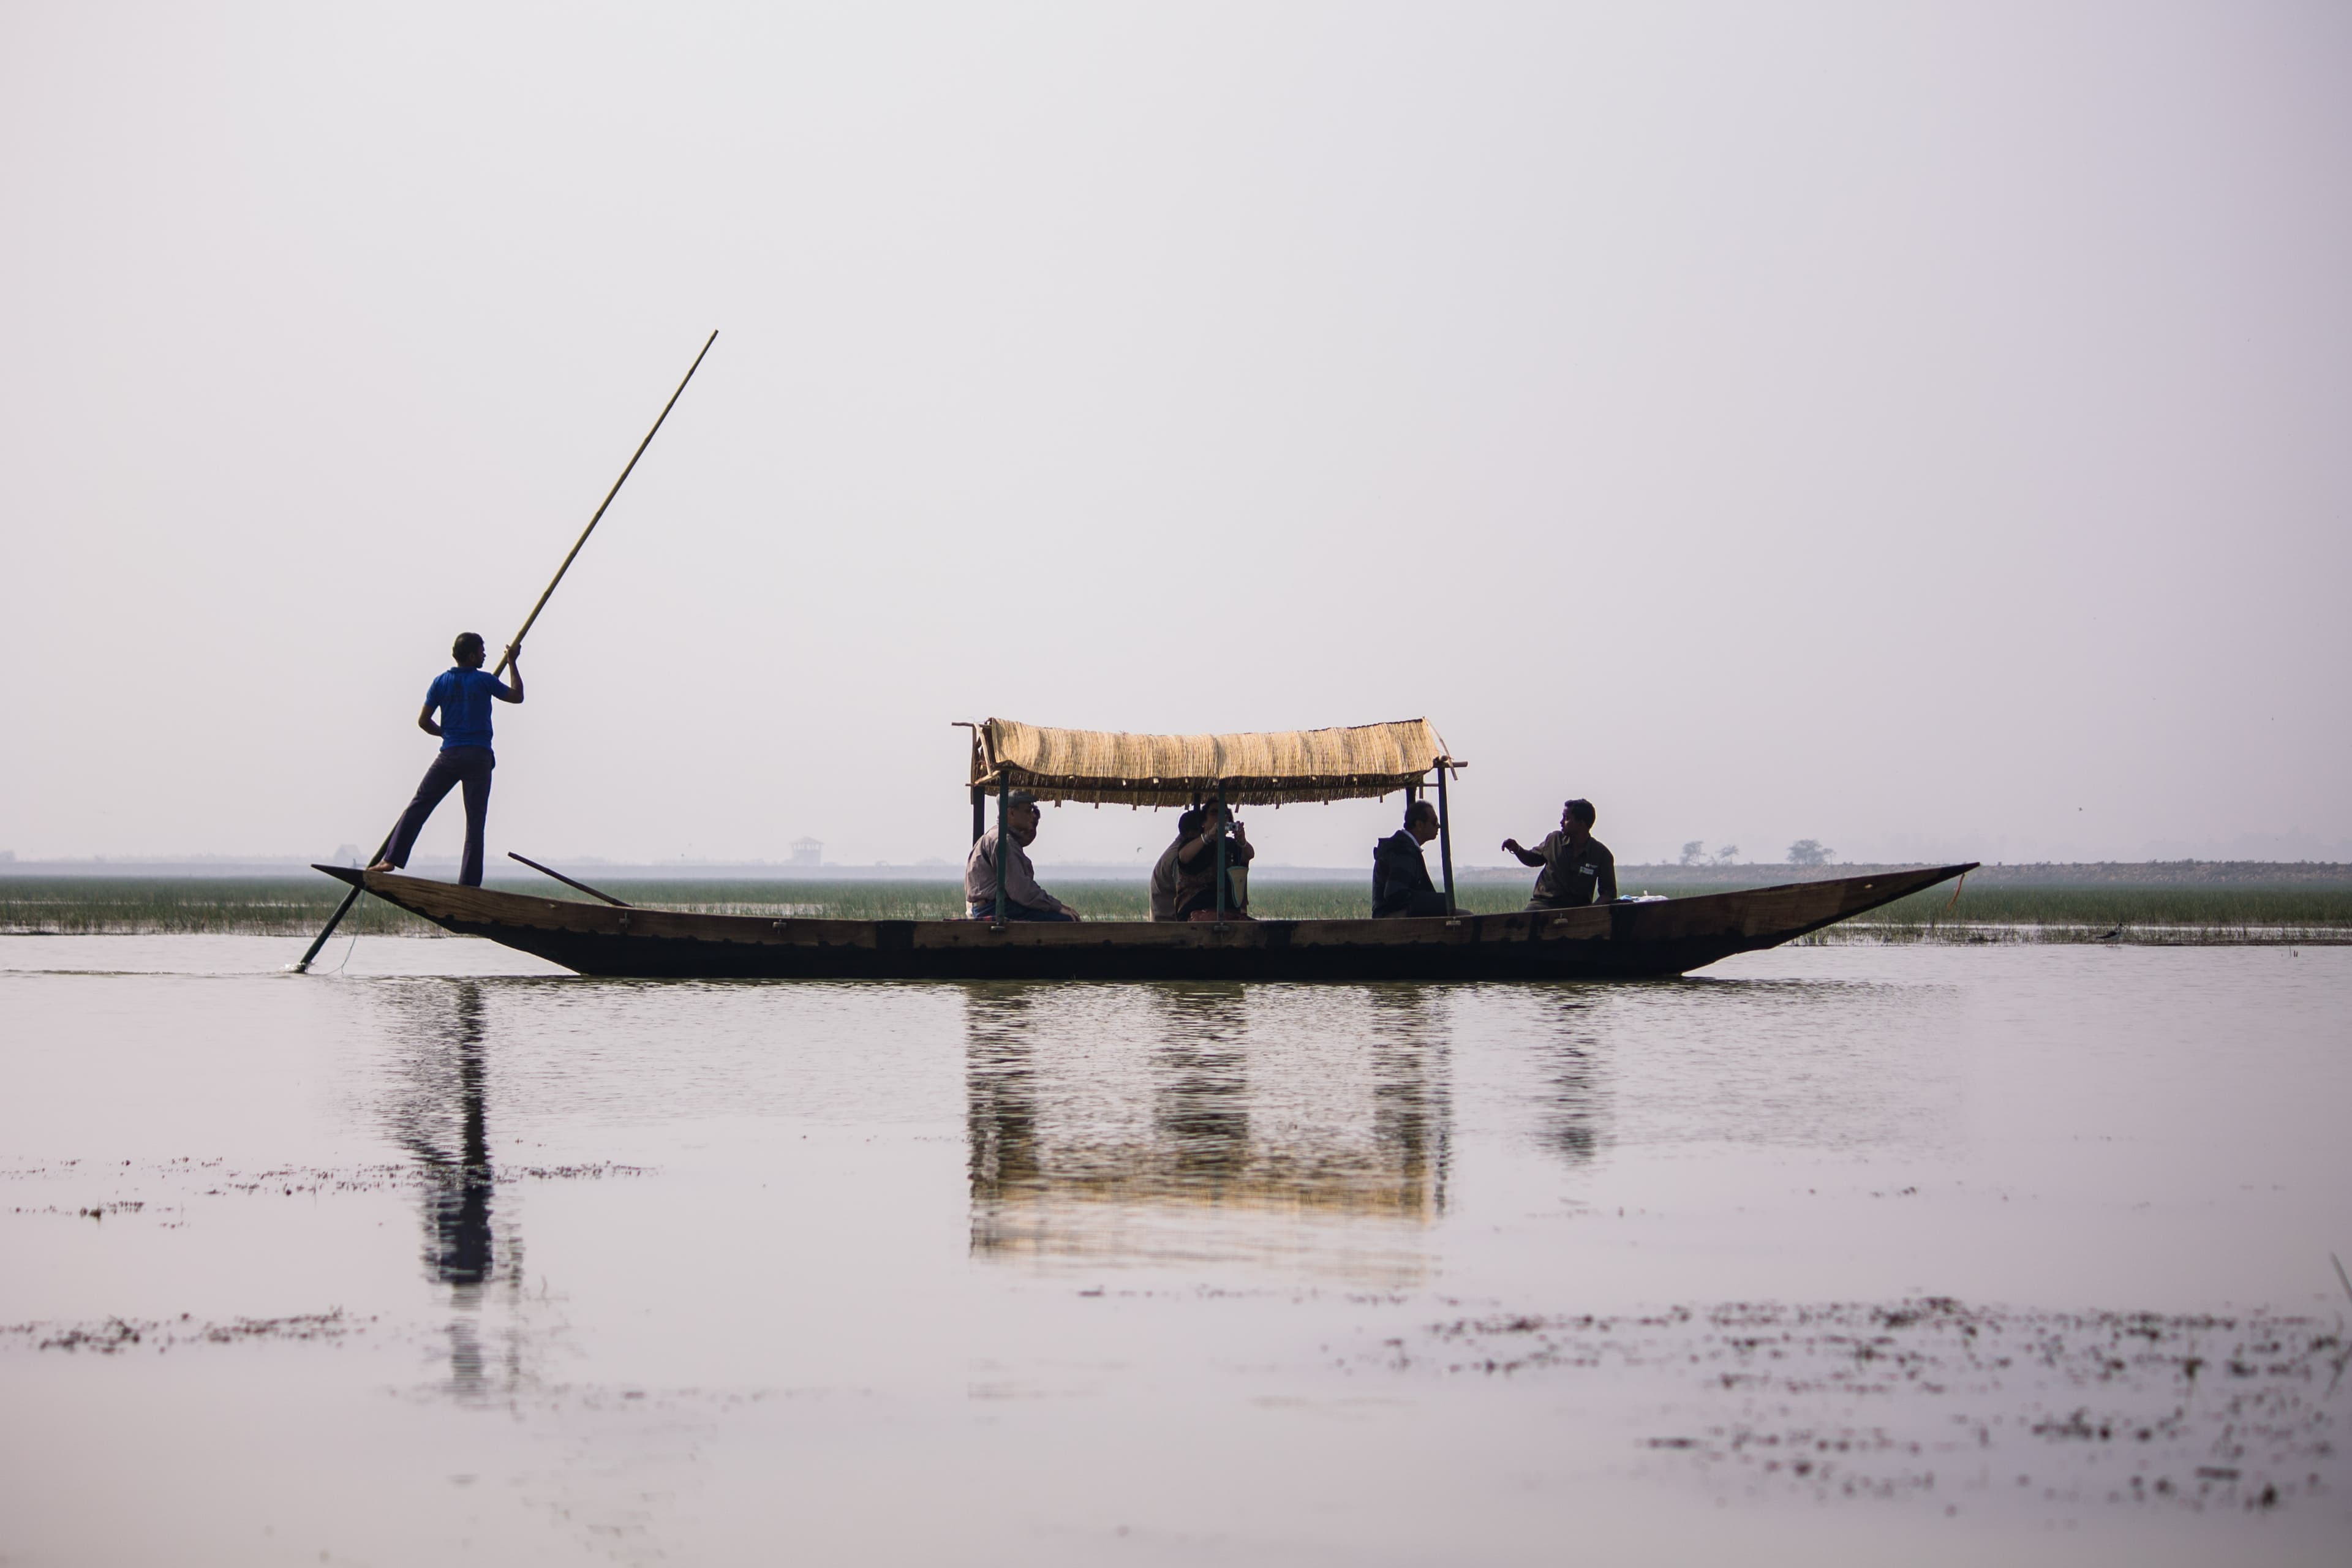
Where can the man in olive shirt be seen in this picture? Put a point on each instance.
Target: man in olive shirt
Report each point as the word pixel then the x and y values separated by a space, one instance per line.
pixel 1577 869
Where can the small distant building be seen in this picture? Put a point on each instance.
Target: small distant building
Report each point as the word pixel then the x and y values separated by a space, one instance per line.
pixel 807 852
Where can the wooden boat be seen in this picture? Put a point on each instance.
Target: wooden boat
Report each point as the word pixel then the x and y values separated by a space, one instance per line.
pixel 1623 940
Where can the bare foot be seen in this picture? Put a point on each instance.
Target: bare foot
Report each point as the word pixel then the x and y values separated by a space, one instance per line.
pixel 384 865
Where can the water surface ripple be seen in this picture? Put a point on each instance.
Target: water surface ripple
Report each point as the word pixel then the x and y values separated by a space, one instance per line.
pixel 1828 1254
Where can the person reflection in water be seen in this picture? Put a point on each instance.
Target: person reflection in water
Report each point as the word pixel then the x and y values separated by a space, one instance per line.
pixel 460 1246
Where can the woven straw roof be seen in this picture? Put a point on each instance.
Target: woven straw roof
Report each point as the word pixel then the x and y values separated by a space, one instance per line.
pixel 1266 769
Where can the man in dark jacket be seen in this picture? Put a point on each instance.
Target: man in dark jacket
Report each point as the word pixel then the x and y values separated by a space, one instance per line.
pixel 1577 869
pixel 1400 884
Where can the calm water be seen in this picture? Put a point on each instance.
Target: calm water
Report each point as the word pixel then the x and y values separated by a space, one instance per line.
pixel 1832 1256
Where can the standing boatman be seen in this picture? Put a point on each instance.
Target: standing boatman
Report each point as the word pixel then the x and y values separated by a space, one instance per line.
pixel 463 695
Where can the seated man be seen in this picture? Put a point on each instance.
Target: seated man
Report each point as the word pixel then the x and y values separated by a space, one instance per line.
pixel 1023 898
pixel 1400 884
pixel 1196 866
pixel 1577 869
pixel 1163 875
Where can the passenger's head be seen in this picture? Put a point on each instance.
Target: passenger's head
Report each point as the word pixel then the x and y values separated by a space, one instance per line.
pixel 1192 822
pixel 1020 815
pixel 1578 814
pixel 1420 820
pixel 468 649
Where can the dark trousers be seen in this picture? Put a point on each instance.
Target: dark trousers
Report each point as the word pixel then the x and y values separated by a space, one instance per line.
pixel 1204 900
pixel 1418 905
pixel 1013 911
pixel 469 766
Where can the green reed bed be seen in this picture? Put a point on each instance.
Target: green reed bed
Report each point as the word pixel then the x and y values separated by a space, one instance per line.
pixel 298 906
pixel 251 906
pixel 2128 913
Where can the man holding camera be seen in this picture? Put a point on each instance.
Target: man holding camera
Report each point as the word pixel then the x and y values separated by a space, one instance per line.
pixel 1198 874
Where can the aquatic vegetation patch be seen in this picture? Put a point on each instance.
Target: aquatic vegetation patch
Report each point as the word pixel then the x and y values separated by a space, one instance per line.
pixel 114 1336
pixel 1965 1405
pixel 192 1177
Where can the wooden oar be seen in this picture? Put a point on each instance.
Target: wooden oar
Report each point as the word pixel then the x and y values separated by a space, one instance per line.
pixel 568 882
pixel 353 895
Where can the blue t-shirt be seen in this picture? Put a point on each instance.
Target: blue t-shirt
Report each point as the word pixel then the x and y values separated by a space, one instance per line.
pixel 464 697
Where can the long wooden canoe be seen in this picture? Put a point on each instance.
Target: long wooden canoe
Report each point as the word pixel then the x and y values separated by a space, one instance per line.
pixel 1621 941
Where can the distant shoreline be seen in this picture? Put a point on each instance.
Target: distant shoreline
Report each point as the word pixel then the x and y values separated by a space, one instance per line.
pixel 1631 876
pixel 2202 905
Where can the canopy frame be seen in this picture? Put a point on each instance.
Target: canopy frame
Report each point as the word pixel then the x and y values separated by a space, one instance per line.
pixel 1367 761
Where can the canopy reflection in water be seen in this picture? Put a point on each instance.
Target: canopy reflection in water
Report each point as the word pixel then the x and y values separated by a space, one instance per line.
pixel 1203 1124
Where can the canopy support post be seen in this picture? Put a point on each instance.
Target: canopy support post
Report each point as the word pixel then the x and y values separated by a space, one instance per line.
pixel 978 811
pixel 1220 852
pixel 1004 837
pixel 1445 838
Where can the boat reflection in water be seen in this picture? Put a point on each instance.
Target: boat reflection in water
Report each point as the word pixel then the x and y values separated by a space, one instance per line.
pixel 438 1111
pixel 1199 1123
pixel 1572 1103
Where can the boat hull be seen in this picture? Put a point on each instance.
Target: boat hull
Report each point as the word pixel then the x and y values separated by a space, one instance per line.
pixel 1604 941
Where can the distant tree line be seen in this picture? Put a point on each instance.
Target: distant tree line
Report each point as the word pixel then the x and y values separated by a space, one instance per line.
pixel 1803 852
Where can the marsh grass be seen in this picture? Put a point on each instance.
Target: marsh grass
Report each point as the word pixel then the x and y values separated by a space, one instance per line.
pixel 252 906
pixel 298 906
pixel 2135 914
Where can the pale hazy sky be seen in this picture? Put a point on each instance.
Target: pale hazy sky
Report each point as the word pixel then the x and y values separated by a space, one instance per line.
pixel 1925 428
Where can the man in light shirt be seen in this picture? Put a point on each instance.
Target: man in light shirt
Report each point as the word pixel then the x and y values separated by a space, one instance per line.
pixel 1023 898
pixel 1163 875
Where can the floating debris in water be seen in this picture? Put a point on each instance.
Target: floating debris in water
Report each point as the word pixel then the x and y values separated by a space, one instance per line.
pixel 1936 1397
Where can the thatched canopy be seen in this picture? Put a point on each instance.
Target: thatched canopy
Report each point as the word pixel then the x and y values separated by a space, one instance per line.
pixel 1361 762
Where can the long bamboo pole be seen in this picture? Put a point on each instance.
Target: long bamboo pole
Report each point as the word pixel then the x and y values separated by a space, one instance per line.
pixel 1222 826
pixel 303 967
pixel 1445 837
pixel 530 619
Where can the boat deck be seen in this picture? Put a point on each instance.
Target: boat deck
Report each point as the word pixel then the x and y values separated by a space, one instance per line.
pixel 1625 940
